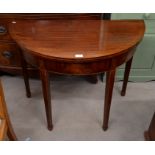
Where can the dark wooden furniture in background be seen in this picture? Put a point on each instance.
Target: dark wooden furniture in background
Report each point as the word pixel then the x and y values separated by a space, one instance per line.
pixel 10 58
pixel 5 123
pixel 76 47
pixel 150 133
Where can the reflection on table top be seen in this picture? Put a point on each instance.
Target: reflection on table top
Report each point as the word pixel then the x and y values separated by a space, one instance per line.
pixel 72 39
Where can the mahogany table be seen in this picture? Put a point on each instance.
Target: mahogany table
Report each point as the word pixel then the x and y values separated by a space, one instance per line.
pixel 77 47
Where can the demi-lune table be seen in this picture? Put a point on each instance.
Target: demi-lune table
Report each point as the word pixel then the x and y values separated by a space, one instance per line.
pixel 77 47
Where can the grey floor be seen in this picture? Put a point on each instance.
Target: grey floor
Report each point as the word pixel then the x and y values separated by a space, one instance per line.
pixel 77 110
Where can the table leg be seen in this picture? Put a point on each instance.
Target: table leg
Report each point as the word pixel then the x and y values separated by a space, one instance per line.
pixel 110 78
pixel 25 75
pixel 47 96
pixel 126 76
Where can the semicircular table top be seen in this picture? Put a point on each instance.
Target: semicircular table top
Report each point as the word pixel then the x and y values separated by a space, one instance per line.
pixel 77 47
pixel 69 39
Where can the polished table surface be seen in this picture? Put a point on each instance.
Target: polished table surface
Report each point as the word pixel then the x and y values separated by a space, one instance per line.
pixel 77 47
pixel 63 39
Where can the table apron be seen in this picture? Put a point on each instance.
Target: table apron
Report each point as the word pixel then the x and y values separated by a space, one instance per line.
pixel 79 68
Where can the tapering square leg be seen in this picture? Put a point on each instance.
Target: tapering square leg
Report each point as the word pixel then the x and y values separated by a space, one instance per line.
pixel 25 76
pixel 44 75
pixel 110 78
pixel 126 76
